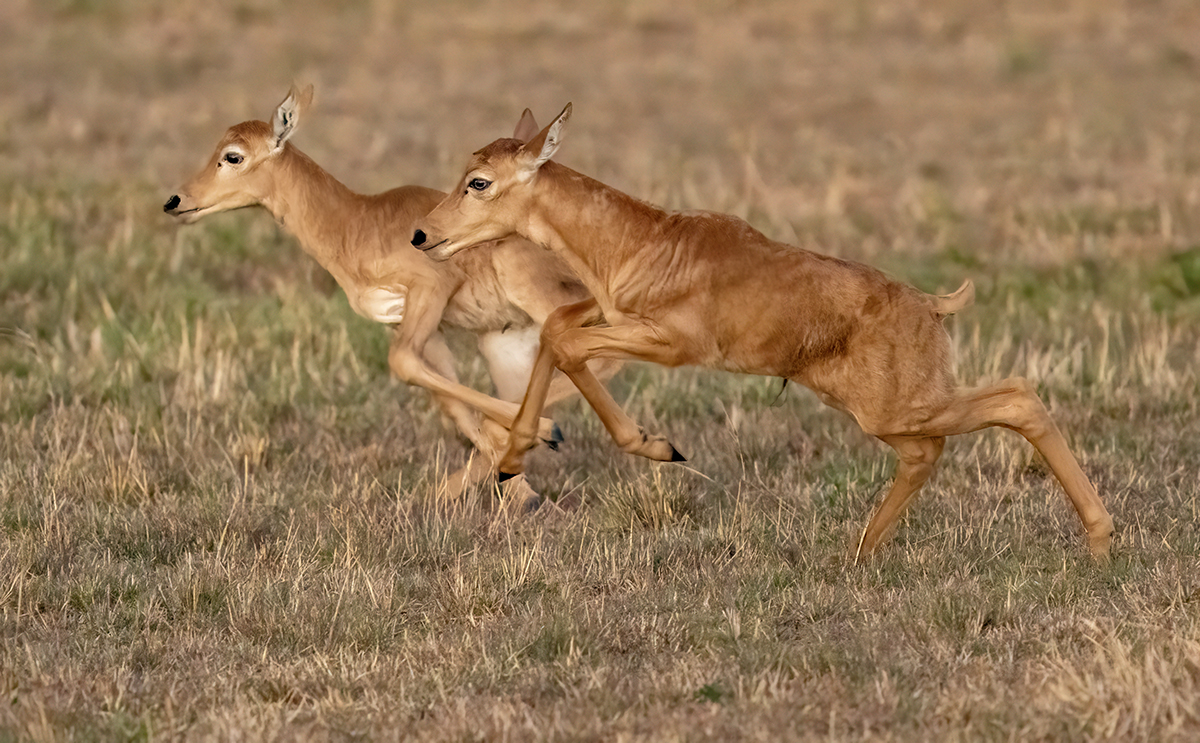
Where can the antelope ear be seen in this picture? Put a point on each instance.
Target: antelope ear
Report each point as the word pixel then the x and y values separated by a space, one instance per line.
pixel 289 112
pixel 545 144
pixel 526 128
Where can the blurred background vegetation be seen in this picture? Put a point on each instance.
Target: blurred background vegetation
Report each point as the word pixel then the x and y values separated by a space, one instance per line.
pixel 218 517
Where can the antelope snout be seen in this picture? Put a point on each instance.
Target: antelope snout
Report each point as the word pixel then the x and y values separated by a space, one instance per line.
pixel 434 249
pixel 172 204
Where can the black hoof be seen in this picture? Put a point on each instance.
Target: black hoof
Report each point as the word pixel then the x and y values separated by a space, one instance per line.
pixel 504 476
pixel 676 456
pixel 556 437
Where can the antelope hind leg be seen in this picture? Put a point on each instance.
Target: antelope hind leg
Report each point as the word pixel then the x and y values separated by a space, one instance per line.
pixel 917 459
pixel 1013 404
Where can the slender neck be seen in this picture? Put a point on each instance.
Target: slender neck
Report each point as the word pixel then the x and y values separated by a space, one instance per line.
pixel 312 205
pixel 596 228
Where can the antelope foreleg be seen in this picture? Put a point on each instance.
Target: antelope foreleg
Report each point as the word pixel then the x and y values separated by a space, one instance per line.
pixel 521 434
pixel 574 347
pixel 540 378
pixel 416 339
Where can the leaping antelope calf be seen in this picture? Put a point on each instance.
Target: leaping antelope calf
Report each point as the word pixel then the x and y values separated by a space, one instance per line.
pixel 503 294
pixel 707 289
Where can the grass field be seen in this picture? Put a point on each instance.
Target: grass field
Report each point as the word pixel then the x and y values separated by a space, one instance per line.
pixel 221 520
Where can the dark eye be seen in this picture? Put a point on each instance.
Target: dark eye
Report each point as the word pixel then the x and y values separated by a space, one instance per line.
pixel 233 158
pixel 478 184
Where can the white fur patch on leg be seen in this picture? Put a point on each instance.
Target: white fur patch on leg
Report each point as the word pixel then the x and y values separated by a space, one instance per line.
pixel 383 304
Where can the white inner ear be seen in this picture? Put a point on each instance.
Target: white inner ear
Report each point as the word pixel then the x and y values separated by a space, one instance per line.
pixel 549 147
pixel 553 140
pixel 285 121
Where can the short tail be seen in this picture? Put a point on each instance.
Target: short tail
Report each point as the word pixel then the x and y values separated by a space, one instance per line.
pixel 950 303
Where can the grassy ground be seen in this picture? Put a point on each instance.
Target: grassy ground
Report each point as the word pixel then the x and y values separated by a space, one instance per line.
pixel 221 519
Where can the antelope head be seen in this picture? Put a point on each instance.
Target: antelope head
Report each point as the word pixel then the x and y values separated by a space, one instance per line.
pixel 495 192
pixel 238 173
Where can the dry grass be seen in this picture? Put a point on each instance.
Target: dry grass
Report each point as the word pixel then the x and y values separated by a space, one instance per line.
pixel 222 521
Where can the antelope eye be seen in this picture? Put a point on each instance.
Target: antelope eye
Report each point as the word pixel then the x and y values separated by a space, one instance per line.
pixel 233 158
pixel 479 184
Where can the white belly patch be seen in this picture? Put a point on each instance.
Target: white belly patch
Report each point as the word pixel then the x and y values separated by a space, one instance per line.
pixel 382 304
pixel 510 355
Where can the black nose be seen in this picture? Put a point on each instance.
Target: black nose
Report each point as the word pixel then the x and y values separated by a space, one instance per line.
pixel 172 204
pixel 418 238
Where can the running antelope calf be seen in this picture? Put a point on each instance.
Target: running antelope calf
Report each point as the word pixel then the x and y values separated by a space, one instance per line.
pixel 707 289
pixel 503 295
